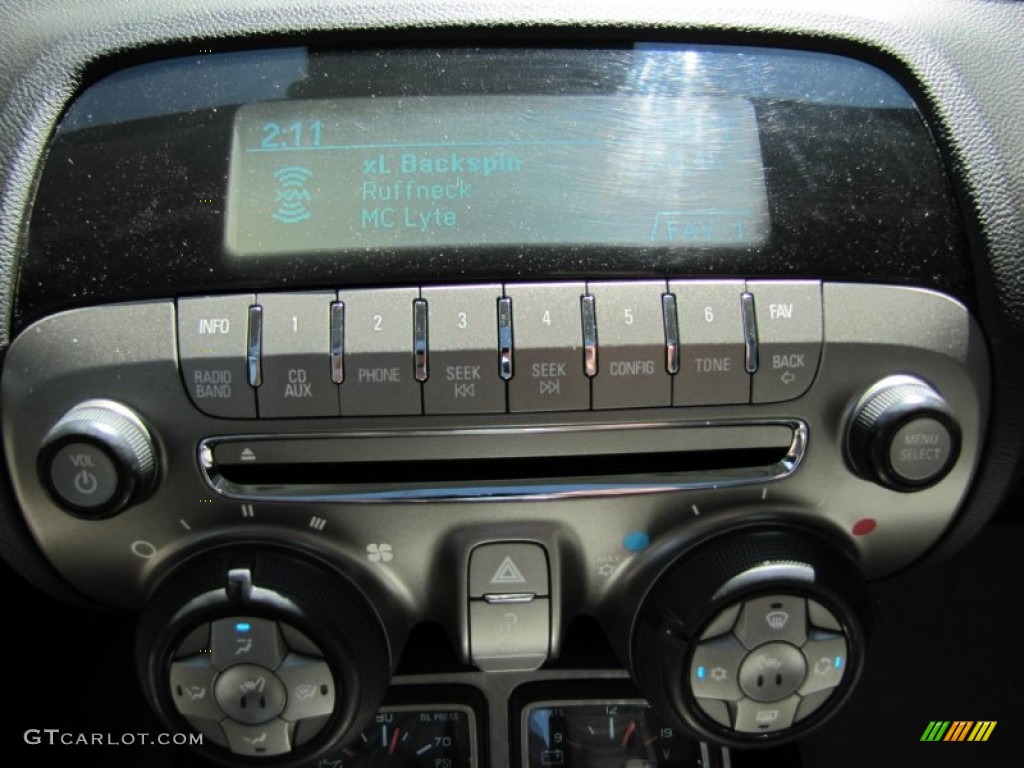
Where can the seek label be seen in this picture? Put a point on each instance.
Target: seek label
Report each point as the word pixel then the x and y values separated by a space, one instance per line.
pixel 463 350
pixel 548 339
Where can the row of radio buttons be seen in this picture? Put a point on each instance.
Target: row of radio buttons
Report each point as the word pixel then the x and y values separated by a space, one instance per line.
pixel 519 347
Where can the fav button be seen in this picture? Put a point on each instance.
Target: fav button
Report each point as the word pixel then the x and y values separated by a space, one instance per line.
pixel 789 337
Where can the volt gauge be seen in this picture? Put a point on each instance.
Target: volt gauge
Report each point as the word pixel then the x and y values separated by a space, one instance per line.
pixel 602 734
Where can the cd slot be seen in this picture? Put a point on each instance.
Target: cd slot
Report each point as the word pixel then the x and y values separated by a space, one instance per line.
pixel 500 463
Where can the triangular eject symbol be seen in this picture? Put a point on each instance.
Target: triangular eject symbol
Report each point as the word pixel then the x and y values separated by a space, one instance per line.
pixel 508 573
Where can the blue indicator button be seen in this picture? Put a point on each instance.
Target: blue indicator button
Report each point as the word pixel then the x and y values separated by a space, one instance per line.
pixel 700 672
pixel 243 626
pixel 839 661
pixel 636 541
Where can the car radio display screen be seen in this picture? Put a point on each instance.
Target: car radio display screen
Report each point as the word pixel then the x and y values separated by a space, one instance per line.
pixel 326 175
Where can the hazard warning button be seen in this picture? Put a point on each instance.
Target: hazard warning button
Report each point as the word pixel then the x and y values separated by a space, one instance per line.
pixel 508 568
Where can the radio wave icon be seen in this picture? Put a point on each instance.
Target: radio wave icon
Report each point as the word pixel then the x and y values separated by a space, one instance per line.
pixel 292 195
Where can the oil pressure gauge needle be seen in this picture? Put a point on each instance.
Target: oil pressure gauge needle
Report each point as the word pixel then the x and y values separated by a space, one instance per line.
pixel 629 732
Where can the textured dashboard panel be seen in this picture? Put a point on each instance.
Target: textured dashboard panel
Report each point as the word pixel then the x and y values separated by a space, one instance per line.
pixel 964 57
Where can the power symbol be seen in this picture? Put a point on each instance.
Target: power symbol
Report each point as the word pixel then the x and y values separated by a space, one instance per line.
pixel 86 482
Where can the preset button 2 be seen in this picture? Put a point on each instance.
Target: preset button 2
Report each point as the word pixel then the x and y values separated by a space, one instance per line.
pixel 379 365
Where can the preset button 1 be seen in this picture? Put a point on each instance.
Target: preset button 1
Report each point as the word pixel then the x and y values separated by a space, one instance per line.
pixel 296 356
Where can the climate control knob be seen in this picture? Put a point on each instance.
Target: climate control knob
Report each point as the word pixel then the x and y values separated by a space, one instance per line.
pixel 98 459
pixel 902 435
pixel 274 657
pixel 753 638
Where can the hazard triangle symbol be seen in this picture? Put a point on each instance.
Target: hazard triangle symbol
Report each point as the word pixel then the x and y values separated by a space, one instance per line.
pixel 508 573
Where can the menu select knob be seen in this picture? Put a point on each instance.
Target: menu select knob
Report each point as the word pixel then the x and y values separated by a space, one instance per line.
pixel 902 435
pixel 98 459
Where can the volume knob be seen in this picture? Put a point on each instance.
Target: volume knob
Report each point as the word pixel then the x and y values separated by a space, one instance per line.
pixel 97 459
pixel 902 435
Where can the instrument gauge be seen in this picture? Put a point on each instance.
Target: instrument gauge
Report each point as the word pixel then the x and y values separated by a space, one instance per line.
pixel 412 737
pixel 588 734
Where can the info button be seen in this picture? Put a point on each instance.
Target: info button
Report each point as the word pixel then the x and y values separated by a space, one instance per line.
pixel 212 337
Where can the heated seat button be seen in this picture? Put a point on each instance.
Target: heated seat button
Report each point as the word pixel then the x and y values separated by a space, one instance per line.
pixel 192 687
pixel 296 356
pixel 789 335
pixel 712 368
pixel 380 371
pixel 462 335
pixel 547 338
pixel 631 369
pixel 273 738
pixel 212 337
pixel 309 685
